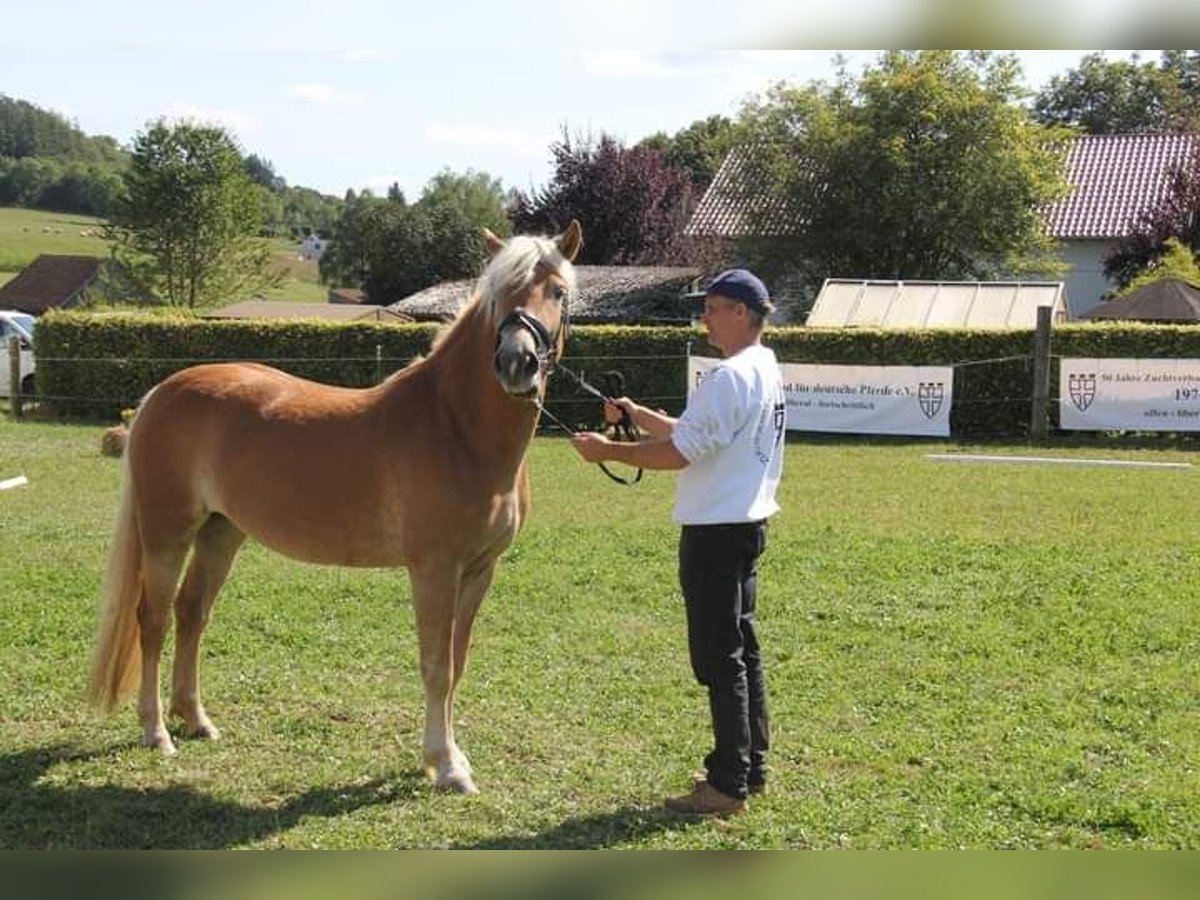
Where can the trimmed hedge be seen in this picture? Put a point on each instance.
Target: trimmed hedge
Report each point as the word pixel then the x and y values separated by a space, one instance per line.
pixel 98 364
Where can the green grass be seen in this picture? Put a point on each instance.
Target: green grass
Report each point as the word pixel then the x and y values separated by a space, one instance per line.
pixel 26 233
pixel 958 656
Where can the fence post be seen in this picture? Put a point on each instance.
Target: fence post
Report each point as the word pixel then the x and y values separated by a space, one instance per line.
pixel 378 363
pixel 14 376
pixel 1041 374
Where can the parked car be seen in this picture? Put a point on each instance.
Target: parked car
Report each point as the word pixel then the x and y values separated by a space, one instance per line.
pixel 20 325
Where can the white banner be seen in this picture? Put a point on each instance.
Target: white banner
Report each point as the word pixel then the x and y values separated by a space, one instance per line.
pixel 859 399
pixel 1129 394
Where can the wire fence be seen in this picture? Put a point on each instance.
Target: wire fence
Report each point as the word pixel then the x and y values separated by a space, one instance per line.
pixel 562 398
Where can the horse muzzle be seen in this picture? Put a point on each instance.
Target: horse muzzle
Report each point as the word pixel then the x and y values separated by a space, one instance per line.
pixel 523 348
pixel 517 365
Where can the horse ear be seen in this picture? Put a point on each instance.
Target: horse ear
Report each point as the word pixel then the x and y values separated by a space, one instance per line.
pixel 571 240
pixel 494 244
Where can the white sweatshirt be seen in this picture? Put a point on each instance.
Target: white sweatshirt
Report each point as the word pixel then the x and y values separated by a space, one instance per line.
pixel 731 434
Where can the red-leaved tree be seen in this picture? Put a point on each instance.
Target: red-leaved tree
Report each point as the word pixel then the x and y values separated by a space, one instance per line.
pixel 632 204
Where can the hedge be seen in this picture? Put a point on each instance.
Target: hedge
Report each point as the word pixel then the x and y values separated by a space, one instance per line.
pixel 98 364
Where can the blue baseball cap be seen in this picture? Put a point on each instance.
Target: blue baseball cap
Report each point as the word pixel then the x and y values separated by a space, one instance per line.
pixel 741 285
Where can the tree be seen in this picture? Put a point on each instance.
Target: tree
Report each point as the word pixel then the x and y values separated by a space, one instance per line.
pixel 346 261
pixel 1177 217
pixel 633 204
pixel 699 149
pixel 1125 96
pixel 187 225
pixel 925 168
pixel 392 249
pixel 1177 261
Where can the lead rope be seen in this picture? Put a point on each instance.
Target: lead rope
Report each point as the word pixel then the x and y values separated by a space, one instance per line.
pixel 625 430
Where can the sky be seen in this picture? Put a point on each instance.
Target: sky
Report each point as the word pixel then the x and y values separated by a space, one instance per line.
pixel 364 93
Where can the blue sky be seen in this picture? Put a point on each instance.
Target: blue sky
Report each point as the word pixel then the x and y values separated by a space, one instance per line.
pixel 361 93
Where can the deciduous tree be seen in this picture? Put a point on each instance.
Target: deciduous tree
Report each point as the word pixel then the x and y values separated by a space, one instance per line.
pixel 925 167
pixel 634 205
pixel 1121 96
pixel 391 248
pixel 187 226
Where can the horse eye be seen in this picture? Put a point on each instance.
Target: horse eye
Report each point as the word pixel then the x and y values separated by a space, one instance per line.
pixel 559 292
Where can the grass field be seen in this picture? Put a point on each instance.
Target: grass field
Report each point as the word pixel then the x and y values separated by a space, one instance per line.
pixel 26 233
pixel 958 656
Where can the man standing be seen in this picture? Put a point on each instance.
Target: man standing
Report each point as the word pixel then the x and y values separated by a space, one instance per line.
pixel 728 444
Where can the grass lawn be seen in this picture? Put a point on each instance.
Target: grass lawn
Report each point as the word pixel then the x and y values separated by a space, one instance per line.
pixel 958 656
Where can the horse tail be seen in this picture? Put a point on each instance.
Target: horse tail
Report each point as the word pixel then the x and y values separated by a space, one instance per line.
pixel 117 663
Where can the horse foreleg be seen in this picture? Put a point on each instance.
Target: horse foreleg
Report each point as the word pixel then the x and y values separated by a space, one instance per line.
pixel 160 572
pixel 216 545
pixel 434 598
pixel 475 585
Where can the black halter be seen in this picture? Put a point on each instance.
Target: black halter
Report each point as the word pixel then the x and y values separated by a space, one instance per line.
pixel 545 349
pixel 545 344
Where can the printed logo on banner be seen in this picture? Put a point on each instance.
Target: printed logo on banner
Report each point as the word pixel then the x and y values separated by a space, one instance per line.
pixel 930 395
pixel 1082 388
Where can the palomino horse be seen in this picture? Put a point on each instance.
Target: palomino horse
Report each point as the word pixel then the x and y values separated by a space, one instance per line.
pixel 430 475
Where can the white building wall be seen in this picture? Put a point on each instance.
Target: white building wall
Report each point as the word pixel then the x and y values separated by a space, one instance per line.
pixel 1085 283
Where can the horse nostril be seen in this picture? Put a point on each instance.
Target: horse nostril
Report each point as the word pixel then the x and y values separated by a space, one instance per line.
pixel 530 362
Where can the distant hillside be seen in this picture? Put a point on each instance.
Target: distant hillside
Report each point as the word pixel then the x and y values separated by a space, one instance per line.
pixel 48 163
pixel 27 130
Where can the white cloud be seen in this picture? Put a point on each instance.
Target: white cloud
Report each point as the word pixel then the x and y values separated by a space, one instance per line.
pixel 513 139
pixel 235 121
pixel 324 95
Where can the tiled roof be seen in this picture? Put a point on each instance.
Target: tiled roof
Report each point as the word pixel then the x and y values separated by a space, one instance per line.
pixel 1114 179
pixel 1117 177
pixel 642 294
pixel 49 282
pixel 723 211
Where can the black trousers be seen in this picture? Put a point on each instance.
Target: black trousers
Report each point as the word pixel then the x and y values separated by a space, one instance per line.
pixel 718 571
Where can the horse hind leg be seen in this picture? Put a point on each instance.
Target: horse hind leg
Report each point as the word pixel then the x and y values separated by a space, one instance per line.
pixel 215 547
pixel 160 574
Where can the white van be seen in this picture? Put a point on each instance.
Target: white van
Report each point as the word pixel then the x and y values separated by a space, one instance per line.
pixel 19 325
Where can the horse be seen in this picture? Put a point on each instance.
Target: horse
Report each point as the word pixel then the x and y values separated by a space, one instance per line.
pixel 426 470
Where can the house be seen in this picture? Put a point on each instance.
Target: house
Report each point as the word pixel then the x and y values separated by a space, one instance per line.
pixel 52 281
pixel 312 247
pixel 644 295
pixel 332 312
pixel 1114 179
pixel 845 303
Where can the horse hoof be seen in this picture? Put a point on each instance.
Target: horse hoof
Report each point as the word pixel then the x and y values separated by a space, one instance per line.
pixel 206 731
pixel 160 742
pixel 457 784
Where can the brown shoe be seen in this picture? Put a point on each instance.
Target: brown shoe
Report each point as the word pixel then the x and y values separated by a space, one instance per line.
pixel 755 787
pixel 705 800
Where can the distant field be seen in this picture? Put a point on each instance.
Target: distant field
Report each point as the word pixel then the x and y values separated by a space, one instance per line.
pixel 26 233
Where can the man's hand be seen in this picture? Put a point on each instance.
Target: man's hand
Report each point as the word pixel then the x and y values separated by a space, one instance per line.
pixel 616 409
pixel 591 446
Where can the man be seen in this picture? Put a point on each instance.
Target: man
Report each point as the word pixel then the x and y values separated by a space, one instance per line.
pixel 728 446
